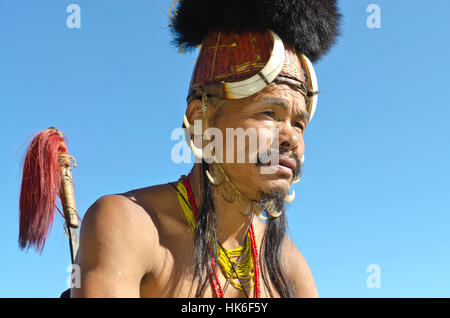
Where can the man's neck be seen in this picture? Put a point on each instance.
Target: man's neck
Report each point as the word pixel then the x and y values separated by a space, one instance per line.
pixel 232 225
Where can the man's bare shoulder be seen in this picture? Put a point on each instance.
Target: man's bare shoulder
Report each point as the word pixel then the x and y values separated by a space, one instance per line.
pixel 162 204
pixel 299 271
pixel 115 220
pixel 146 208
pixel 114 206
pixel 119 244
pixel 116 211
pixel 139 210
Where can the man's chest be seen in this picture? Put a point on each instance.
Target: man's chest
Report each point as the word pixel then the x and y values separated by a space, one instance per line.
pixel 174 278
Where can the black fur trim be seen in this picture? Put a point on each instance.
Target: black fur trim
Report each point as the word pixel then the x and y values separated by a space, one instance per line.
pixel 310 26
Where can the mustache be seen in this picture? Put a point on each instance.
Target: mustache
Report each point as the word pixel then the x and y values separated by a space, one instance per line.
pixel 268 154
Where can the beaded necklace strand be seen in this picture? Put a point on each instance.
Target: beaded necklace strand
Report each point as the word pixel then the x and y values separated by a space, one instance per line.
pixel 234 264
pixel 254 278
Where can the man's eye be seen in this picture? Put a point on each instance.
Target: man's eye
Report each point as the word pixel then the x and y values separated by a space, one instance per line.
pixel 299 125
pixel 269 113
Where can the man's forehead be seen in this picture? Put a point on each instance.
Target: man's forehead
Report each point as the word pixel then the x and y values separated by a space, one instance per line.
pixel 281 92
pixel 284 96
pixel 281 101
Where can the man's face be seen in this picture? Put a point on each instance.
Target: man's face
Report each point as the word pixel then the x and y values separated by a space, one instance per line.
pixel 276 109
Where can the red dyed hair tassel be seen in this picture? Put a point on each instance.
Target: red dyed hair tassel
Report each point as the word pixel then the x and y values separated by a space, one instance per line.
pixel 42 182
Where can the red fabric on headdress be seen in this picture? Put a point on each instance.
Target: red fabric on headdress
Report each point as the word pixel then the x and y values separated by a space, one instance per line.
pixel 233 57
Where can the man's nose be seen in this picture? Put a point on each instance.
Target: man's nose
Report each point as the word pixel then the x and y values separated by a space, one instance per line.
pixel 289 138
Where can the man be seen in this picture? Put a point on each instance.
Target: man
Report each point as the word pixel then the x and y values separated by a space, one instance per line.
pixel 139 243
pixel 152 242
pixel 220 231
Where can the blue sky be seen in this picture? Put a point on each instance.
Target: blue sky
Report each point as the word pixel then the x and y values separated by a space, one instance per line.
pixel 376 182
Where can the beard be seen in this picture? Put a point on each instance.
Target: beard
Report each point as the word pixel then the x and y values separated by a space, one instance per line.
pixel 273 201
pixel 272 243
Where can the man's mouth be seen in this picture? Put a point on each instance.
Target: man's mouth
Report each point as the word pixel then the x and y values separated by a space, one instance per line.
pixel 285 164
pixel 288 163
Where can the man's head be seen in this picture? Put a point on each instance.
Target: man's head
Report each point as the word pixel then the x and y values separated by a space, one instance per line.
pixel 253 128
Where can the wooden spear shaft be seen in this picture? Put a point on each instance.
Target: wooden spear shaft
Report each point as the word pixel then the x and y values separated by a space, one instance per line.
pixel 68 202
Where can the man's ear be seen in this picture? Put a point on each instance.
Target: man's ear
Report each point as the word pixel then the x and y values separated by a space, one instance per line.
pixel 194 111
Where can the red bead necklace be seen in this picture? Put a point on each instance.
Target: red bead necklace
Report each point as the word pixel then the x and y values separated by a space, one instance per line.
pixel 218 291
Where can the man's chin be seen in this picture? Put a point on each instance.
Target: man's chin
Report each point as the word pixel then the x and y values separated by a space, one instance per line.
pixel 274 200
pixel 279 185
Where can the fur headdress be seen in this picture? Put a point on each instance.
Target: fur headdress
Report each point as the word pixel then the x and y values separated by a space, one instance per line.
pixel 309 26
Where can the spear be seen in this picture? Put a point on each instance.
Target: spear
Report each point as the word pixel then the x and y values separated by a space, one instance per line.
pixel 46 176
